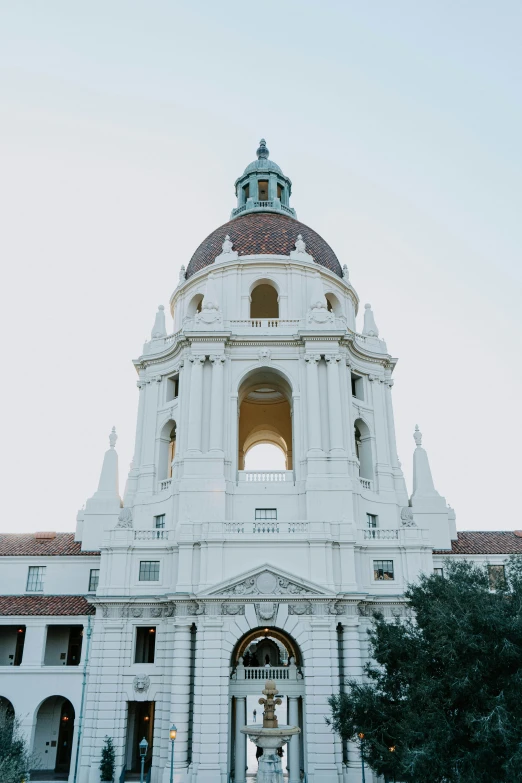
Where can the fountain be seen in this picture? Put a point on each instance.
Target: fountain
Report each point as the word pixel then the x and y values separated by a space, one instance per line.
pixel 270 737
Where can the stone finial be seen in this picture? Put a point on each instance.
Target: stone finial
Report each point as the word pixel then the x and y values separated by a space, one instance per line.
pixel 113 438
pixel 346 274
pixel 159 330
pixel 300 244
pixel 262 150
pixel 182 273
pixel 269 716
pixel 417 436
pixel 370 327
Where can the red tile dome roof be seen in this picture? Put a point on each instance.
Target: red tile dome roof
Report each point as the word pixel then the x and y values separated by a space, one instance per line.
pixel 260 233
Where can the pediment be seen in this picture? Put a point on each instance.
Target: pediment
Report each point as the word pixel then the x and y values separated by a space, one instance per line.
pixel 266 581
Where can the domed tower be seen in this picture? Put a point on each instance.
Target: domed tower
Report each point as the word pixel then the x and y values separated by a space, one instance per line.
pixel 219 569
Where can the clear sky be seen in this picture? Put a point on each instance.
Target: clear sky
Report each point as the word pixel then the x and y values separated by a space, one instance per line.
pixel 123 126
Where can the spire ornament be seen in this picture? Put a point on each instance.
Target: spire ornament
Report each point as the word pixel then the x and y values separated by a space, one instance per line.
pixel 159 330
pixel 417 436
pixel 262 150
pixel 113 438
pixel 370 327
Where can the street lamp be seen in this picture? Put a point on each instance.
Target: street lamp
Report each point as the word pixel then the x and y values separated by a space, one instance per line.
pixel 361 737
pixel 173 734
pixel 143 752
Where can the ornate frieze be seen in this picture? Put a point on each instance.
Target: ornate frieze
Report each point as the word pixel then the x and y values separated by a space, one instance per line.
pixel 268 583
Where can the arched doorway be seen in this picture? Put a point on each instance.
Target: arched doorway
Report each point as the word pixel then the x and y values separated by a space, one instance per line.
pixel 53 738
pixel 265 416
pixel 262 654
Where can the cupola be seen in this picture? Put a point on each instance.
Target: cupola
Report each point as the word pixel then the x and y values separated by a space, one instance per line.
pixel 263 187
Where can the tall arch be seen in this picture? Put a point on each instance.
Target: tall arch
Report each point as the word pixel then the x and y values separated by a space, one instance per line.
pixel 55 718
pixel 265 414
pixel 363 448
pixel 167 449
pixel 194 306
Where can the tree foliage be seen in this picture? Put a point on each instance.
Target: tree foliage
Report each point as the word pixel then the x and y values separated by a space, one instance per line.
pixel 107 762
pixel 15 759
pixel 444 690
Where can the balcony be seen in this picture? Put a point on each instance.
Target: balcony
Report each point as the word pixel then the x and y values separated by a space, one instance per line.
pixel 266 476
pixel 269 527
pixel 249 326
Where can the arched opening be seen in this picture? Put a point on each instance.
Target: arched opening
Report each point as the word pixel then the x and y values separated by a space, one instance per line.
pixel 7 720
pixel 333 304
pixel 53 739
pixel 363 449
pixel 264 301
pixel 195 305
pixel 262 654
pixel 265 418
pixel 262 454
pixel 167 450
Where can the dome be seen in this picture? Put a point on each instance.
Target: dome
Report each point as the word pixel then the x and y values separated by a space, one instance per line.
pixel 263 233
pixel 262 163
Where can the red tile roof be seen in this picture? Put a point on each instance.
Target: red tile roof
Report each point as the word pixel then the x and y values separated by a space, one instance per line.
pixel 29 544
pixel 502 542
pixel 48 605
pixel 261 233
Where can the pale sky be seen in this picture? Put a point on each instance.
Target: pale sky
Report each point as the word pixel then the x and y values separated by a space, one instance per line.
pixel 123 126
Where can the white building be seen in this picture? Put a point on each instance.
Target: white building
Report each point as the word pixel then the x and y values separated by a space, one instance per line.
pixel 165 606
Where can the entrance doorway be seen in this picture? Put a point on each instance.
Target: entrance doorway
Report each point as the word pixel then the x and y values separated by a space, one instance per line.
pixel 140 724
pixel 53 739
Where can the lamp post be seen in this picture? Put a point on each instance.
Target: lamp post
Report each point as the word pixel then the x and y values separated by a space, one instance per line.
pixel 172 733
pixel 143 752
pixel 361 737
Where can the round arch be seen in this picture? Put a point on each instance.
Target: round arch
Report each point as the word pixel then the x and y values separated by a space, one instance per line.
pixel 55 714
pixel 264 299
pixel 7 711
pixel 363 448
pixel 334 304
pixel 264 632
pixel 264 281
pixel 194 305
pixel 167 449
pixel 265 413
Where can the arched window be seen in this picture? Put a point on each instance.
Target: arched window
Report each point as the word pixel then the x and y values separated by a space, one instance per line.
pixel 167 450
pixel 194 305
pixel 363 449
pixel 333 304
pixel 264 302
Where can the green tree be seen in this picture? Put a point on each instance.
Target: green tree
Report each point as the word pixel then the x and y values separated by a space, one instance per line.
pixel 107 760
pixel 15 759
pixel 443 700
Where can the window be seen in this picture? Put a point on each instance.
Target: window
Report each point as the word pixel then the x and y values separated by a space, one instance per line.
pixel 35 579
pixel 94 579
pixel 438 571
pixel 279 192
pixel 357 387
pixel 145 645
pixel 172 388
pixel 372 520
pixel 262 186
pixel 266 513
pixel 149 570
pixel 159 521
pixel 497 577
pixel 383 570
pixel 246 193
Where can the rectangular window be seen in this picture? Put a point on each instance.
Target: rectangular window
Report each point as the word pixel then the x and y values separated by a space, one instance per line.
pixel 266 513
pixel 246 193
pixel 438 571
pixel 279 191
pixel 383 570
pixel 159 521
pixel 172 388
pixel 357 387
pixel 149 570
pixel 94 578
pixel 372 520
pixel 497 577
pixel 145 645
pixel 35 579
pixel 263 189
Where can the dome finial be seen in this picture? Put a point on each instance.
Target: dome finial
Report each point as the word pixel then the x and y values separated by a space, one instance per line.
pixel 262 150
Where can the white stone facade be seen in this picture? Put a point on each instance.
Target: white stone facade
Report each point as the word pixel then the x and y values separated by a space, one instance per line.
pixel 346 536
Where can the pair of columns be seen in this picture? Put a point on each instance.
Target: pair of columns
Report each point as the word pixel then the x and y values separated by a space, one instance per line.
pixel 334 403
pixel 195 415
pixel 240 764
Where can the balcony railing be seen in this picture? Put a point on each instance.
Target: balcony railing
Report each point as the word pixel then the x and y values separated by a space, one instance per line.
pixel 266 323
pixel 291 672
pixel 265 526
pixel 264 476
pixel 165 484
pixel 380 534
pixel 151 535
pixel 365 483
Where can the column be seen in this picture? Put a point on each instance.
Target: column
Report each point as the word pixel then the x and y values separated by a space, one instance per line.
pixel 293 745
pixel 349 408
pixel 334 404
pixel 196 403
pixel 353 669
pixel 180 703
pixel 216 404
pixel 391 424
pixel 34 645
pixel 312 393
pixel 240 741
